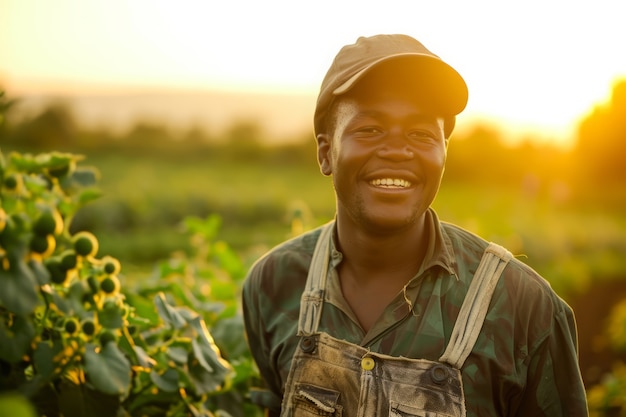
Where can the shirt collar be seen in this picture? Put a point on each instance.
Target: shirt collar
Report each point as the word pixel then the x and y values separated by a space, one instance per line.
pixel 439 252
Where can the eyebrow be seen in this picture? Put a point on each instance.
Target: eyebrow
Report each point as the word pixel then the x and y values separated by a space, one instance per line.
pixel 416 118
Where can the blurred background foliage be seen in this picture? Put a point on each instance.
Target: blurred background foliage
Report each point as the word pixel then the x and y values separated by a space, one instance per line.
pixel 561 209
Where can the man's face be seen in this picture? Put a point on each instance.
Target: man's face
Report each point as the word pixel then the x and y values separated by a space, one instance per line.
pixel 386 154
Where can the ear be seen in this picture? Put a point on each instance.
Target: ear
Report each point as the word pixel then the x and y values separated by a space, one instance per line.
pixel 324 153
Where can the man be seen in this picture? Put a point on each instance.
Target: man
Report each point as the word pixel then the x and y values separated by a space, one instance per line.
pixel 386 311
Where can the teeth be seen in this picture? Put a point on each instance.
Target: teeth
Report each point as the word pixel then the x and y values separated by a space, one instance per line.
pixel 390 183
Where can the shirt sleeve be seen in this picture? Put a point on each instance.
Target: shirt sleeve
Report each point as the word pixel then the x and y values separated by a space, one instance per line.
pixel 554 385
pixel 268 396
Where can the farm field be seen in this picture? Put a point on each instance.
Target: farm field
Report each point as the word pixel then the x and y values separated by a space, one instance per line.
pixel 576 243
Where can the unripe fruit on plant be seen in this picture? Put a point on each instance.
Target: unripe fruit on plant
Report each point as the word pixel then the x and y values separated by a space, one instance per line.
pixel 85 244
pixel 71 325
pixel 62 170
pixel 48 223
pixel 43 245
pixel 88 327
pixel 12 182
pixel 68 260
pixel 106 337
pixel 111 265
pixel 110 284
pixel 58 275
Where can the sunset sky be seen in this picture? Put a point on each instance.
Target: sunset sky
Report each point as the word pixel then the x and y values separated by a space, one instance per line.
pixel 533 64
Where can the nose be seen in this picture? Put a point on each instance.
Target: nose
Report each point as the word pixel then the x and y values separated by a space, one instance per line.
pixel 395 147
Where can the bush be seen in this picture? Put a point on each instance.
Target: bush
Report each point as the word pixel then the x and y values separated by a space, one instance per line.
pixel 74 342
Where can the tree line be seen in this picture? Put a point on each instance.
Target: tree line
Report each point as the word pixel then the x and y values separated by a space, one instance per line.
pixel 480 155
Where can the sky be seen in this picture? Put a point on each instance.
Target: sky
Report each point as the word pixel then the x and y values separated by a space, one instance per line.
pixel 533 65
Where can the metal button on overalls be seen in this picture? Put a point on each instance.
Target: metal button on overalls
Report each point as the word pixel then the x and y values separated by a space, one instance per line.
pixel 367 363
pixel 307 344
pixel 439 374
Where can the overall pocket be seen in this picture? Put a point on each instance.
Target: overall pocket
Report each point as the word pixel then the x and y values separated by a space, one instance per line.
pixel 310 400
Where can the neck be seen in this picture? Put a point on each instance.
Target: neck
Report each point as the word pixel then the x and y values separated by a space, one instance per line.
pixel 371 253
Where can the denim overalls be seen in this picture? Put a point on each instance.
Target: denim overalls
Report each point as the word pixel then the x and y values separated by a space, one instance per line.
pixel 331 377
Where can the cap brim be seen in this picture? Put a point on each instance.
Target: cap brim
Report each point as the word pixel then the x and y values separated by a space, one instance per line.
pixel 443 80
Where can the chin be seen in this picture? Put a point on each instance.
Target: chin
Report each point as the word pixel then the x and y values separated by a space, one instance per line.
pixel 385 224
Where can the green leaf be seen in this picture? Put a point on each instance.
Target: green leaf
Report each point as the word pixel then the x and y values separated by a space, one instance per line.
pixel 24 162
pixel 229 260
pixel 144 310
pixel 35 184
pixel 18 287
pixel 58 159
pixel 178 354
pixel 143 359
pixel 107 369
pixel 208 227
pixel 43 357
pixel 111 316
pixel 15 340
pixel 215 370
pixel 41 272
pixel 229 334
pixel 89 194
pixel 166 381
pixel 169 314
pixel 85 176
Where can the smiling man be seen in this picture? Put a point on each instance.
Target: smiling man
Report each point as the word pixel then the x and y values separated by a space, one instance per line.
pixel 387 311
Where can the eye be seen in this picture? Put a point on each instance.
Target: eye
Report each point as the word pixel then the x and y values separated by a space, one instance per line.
pixel 367 131
pixel 423 135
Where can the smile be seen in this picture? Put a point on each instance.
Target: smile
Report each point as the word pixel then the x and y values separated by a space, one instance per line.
pixel 390 183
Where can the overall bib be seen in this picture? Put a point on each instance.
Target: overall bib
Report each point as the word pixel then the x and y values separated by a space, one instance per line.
pixel 331 377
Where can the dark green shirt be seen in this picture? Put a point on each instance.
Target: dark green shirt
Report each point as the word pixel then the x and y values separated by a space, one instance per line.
pixel 524 362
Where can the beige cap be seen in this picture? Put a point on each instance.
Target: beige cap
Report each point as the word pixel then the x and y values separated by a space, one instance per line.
pixel 445 85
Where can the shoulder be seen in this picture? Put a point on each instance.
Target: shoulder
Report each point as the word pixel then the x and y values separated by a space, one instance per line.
pixel 285 264
pixel 520 286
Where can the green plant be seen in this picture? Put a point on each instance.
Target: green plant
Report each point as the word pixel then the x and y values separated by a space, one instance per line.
pixel 74 342
pixel 609 396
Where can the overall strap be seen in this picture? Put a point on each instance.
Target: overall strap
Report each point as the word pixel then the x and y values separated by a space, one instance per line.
pixel 475 306
pixel 312 298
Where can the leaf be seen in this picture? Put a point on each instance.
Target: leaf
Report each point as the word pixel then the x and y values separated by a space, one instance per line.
pixel 15 340
pixel 168 313
pixel 166 381
pixel 41 272
pixel 43 357
pixel 108 369
pixel 24 162
pixel 214 369
pixel 143 359
pixel 77 290
pixel 18 288
pixel 178 354
pixel 35 184
pixel 208 227
pixel 229 334
pixel 88 195
pixel 111 316
pixel 85 176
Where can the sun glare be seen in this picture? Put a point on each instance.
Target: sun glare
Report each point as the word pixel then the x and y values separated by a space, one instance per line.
pixel 529 70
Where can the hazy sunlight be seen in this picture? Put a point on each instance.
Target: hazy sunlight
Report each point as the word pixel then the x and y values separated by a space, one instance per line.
pixel 534 66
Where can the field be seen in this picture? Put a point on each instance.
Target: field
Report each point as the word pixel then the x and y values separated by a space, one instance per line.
pixel 577 244
pixel 144 199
